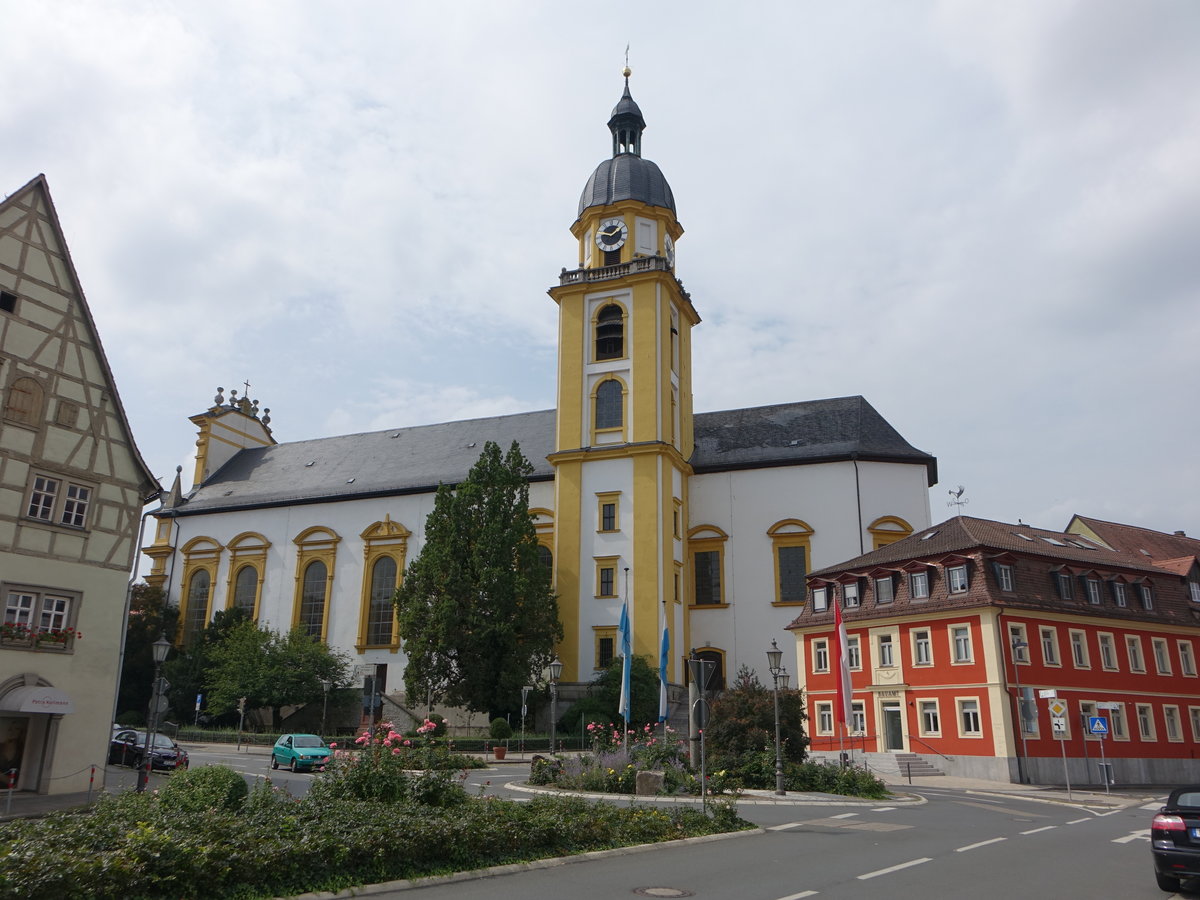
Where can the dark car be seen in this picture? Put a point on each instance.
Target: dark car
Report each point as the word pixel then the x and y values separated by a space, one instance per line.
pixel 128 748
pixel 1175 838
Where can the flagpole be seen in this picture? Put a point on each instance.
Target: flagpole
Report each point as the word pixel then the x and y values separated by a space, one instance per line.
pixel 626 649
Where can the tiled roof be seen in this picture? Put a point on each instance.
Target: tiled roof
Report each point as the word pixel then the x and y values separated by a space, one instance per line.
pixel 418 459
pixel 1132 539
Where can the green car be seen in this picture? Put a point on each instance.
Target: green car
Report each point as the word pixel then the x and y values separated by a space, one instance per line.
pixel 299 751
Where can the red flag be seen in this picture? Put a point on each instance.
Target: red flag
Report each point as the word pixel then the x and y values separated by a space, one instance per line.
pixel 845 687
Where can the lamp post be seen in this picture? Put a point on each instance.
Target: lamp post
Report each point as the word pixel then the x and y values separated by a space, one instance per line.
pixel 774 664
pixel 159 650
pixel 326 684
pixel 555 674
pixel 1017 646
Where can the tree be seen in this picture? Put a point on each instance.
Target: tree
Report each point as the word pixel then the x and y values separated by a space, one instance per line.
pixel 269 669
pixel 149 618
pixel 187 670
pixel 742 722
pixel 476 610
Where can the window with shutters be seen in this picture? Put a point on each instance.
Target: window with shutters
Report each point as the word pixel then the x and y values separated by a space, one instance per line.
pixel 24 402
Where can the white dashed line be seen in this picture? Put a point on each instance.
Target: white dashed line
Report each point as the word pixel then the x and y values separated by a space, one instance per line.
pixel 799 896
pixel 844 816
pixel 785 827
pixel 980 844
pixel 1077 821
pixel 1036 830
pixel 891 869
pixel 883 809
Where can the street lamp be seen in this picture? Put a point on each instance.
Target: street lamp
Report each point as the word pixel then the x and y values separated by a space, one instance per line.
pixel 555 674
pixel 1017 646
pixel 326 684
pixel 159 650
pixel 775 664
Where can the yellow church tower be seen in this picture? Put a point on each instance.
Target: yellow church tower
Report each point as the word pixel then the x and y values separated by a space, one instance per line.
pixel 624 427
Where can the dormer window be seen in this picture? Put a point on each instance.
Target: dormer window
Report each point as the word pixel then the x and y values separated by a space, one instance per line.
pixel 610 333
pixel 956 577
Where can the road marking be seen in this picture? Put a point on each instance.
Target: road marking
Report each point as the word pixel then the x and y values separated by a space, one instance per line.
pixel 844 816
pixel 980 844
pixel 1036 830
pixel 1153 807
pixel 785 827
pixel 799 896
pixel 891 869
pixel 1077 821
pixel 883 809
pixel 1143 835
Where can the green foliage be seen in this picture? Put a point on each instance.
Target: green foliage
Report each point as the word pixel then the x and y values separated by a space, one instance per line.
pixel 612 766
pixel 830 778
pixel 604 695
pixel 742 724
pixel 500 730
pixel 203 789
pixel 476 610
pixel 269 669
pixel 149 617
pixel 135 845
pixel 439 724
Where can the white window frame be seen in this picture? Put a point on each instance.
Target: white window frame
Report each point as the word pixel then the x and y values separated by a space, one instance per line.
pixel 1017 632
pixel 40 609
pixel 1094 591
pixel 1171 723
pixel 922 638
pixel 1133 649
pixel 1120 596
pixel 68 504
pixel 853 653
pixel 1145 717
pixel 1162 655
pixel 885 590
pixel 1079 649
pixel 1048 641
pixel 915 580
pixel 1118 723
pixel 1005 577
pixel 1194 589
pixel 1194 717
pixel 1187 658
pixel 929 713
pixel 1146 593
pixel 858 717
pixel 824 716
pixel 962 713
pixel 886 651
pixel 959 642
pixel 820 599
pixel 957 580
pixel 850 596
pixel 820 656
pixel 1108 652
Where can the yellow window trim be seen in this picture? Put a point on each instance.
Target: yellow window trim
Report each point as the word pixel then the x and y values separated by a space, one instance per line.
pixel 790 533
pixel 607 562
pixel 603 498
pixel 385 538
pixel 599 632
pixel 315 543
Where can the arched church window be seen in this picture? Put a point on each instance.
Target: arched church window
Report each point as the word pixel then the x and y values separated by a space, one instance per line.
pixel 245 589
pixel 196 617
pixel 312 598
pixel 610 400
pixel 545 557
pixel 610 333
pixel 383 612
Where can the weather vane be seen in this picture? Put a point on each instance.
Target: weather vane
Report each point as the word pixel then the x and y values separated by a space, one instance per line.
pixel 627 70
pixel 958 500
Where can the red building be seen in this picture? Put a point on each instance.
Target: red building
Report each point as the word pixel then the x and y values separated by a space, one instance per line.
pixel 963 629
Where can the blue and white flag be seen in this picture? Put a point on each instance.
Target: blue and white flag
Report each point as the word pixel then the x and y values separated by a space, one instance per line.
pixel 625 640
pixel 664 655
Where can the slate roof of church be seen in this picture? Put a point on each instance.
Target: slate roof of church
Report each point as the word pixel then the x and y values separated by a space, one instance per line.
pixel 417 459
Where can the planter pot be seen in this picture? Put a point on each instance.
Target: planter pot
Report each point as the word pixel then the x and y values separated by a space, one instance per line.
pixel 499 751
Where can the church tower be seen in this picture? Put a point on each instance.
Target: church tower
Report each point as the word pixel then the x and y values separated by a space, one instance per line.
pixel 624 426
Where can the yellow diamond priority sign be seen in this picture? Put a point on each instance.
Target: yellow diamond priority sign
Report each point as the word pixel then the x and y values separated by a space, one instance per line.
pixel 1057 707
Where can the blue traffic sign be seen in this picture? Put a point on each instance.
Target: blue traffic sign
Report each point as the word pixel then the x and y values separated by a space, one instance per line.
pixel 1097 725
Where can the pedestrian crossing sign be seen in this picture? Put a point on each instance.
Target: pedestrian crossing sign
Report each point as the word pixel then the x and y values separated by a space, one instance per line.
pixel 1097 725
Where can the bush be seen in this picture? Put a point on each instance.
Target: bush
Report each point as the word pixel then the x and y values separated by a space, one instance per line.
pixel 500 730
pixel 205 788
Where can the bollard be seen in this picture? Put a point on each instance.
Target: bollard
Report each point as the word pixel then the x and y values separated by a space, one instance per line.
pixel 91 782
pixel 908 768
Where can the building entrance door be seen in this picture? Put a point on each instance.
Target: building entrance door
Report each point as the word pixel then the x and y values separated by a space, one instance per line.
pixel 893 727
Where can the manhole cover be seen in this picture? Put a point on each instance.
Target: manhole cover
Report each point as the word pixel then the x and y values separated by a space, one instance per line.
pixel 662 892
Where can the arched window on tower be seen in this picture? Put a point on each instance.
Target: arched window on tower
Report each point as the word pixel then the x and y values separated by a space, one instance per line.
pixel 610 400
pixel 610 333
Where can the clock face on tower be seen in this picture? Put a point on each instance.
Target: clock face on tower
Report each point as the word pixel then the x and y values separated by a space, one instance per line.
pixel 669 249
pixel 611 234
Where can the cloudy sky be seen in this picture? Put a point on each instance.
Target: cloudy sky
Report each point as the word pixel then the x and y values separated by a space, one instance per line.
pixel 981 216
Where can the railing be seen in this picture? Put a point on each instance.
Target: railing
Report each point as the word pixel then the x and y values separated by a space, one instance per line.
pixel 607 273
pixel 913 737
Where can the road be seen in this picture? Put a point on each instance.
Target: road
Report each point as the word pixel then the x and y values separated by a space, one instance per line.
pixel 948 843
